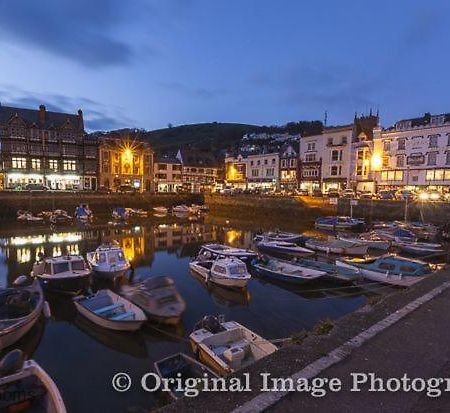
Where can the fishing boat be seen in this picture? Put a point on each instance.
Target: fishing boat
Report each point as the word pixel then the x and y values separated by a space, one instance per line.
pixel 284 271
pixel 419 248
pixel 28 218
pixel 20 309
pixel 372 242
pixel 389 269
pixel 108 261
pixel 227 272
pixel 228 348
pixel 68 274
pixel 181 367
pixel 283 247
pixel 109 310
pixel 158 298
pixel 160 210
pixel 212 251
pixel 27 387
pixel 339 223
pixel 337 246
pixel 120 214
pixel 280 236
pixel 181 209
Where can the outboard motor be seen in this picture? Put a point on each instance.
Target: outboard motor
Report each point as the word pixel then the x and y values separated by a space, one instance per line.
pixel 11 363
pixel 22 281
pixel 210 323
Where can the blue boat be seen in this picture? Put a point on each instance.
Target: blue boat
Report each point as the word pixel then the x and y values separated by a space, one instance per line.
pixel 389 269
pixel 120 214
pixel 339 223
pixel 333 271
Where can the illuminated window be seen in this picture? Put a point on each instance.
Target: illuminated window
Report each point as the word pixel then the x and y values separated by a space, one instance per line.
pixel 36 164
pixel 69 165
pixel 19 163
pixel 53 164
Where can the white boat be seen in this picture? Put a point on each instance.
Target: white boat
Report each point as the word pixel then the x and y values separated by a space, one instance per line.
pixel 181 366
pixel 337 246
pixel 111 311
pixel 160 210
pixel 229 346
pixel 283 247
pixel 28 218
pixel 279 270
pixel 420 248
pixel 68 274
pixel 108 261
pixel 20 309
pixel 158 298
pixel 60 217
pixel 372 243
pixel 227 272
pixel 212 251
pixel 181 209
pixel 280 236
pixel 28 386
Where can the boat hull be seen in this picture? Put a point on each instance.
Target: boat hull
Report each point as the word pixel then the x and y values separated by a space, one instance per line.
pixel 284 250
pixel 69 286
pixel 277 276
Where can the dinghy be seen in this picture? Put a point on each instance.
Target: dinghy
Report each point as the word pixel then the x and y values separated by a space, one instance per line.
pixel 68 274
pixel 389 269
pixel 419 248
pixel 181 209
pixel 120 214
pixel 227 272
pixel 20 308
pixel 160 210
pixel 27 217
pixel 29 387
pixel 109 310
pixel 337 246
pixel 108 261
pixel 158 298
pixel 60 217
pixel 229 347
pixel 339 223
pixel 281 236
pixel 285 271
pixel 211 251
pixel 371 242
pixel 283 247
pixel 181 367
pixel 332 270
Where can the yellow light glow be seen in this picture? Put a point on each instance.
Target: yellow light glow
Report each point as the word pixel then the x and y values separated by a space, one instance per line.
pixel 232 173
pixel 376 162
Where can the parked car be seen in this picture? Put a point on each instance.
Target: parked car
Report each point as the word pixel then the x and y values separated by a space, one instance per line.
pixel 386 195
pixel 333 193
pixel 36 187
pixel 404 194
pixel 366 195
pixel 348 193
pixel 317 193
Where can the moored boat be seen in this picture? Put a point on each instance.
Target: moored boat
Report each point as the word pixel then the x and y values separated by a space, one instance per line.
pixel 181 209
pixel 20 309
pixel 158 298
pixel 108 261
pixel 212 251
pixel 372 242
pixel 389 269
pixel 180 366
pixel 28 218
pixel 83 214
pixel 283 247
pixel 281 236
pixel 60 217
pixel 337 246
pixel 284 271
pixel 160 210
pixel 332 270
pixel 227 272
pixel 68 274
pixel 120 214
pixel 229 347
pixel 419 248
pixel 27 386
pixel 339 223
pixel 109 310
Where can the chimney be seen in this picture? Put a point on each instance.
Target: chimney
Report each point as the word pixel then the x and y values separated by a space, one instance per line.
pixel 80 120
pixel 42 114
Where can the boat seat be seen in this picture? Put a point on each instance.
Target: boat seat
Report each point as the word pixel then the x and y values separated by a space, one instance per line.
pixel 124 316
pixel 108 308
pixel 219 350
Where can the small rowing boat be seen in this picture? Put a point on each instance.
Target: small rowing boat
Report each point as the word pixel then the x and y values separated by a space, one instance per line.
pixel 337 246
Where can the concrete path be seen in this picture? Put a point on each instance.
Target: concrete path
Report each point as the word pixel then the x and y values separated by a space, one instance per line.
pixel 418 345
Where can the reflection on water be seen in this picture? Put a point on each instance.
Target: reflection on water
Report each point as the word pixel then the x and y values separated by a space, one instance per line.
pixel 82 357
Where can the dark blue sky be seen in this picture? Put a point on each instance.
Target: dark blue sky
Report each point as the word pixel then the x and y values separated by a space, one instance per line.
pixel 150 63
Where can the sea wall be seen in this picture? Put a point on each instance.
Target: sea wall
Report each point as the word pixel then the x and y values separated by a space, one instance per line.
pixel 100 204
pixel 435 212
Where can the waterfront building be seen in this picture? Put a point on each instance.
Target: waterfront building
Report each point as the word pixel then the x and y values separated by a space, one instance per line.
pixel 125 162
pixel 311 151
pixel 46 148
pixel 289 166
pixel 201 171
pixel 263 171
pixel 236 172
pixel 168 174
pixel 414 153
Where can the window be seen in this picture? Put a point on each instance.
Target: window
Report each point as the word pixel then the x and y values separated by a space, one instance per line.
pixel 386 161
pixel 432 156
pixel 258 162
pixel 430 175
pixel 312 146
pixel 274 161
pixel 53 164
pixel 69 165
pixel 334 171
pixel 433 143
pixel 386 146
pixel 265 161
pixel 310 157
pixel 19 163
pixel 330 141
pixel 251 163
pixel 401 144
pixel 255 173
pixel 447 158
pixel 336 155
pixel 162 166
pixel 35 164
pixel 400 161
pixel 344 140
pixel 270 172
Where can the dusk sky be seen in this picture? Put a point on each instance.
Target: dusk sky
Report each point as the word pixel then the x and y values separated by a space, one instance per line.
pixel 149 63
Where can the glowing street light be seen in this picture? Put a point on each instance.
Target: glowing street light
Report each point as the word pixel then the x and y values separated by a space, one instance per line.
pixel 376 162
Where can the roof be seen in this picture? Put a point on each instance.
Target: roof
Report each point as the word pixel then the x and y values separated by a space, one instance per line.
pixel 191 157
pixel 162 158
pixel 424 120
pixel 31 116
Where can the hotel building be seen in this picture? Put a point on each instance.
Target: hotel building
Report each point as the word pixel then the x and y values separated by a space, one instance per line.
pixel 168 174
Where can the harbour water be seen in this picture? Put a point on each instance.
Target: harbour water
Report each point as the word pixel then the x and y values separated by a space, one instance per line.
pixel 82 358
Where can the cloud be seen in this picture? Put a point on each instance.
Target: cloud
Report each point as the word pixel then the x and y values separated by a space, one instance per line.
pixel 191 91
pixel 96 115
pixel 85 31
